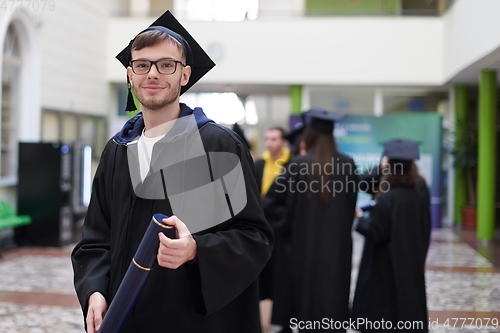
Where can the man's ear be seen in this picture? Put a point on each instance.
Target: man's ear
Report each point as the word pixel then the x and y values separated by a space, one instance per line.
pixel 186 74
pixel 129 75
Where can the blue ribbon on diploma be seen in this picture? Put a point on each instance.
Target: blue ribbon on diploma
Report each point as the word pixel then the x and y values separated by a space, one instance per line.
pixel 369 206
pixel 136 276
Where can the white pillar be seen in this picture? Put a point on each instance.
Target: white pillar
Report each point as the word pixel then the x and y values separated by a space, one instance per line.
pixel 306 98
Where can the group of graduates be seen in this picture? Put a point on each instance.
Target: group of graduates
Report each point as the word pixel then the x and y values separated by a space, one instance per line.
pixel 310 202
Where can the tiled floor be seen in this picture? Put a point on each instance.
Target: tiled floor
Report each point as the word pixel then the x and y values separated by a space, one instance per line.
pixel 36 292
pixel 463 282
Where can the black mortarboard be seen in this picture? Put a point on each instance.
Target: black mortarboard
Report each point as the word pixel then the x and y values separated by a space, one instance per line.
pixel 323 121
pixel 196 57
pixel 295 137
pixel 401 149
pixel 295 134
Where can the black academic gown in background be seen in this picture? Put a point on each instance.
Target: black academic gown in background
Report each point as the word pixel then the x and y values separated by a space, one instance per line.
pixel 270 275
pixel 218 292
pixel 315 264
pixel 391 280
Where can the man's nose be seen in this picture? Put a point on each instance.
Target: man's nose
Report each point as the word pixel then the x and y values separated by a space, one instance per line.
pixel 153 73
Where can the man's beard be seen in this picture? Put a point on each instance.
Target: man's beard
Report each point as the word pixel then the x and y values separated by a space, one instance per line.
pixel 155 105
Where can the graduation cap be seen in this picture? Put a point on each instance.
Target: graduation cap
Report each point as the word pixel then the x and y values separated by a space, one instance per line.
pixel 295 137
pixel 196 57
pixel 323 121
pixel 401 149
pixel 296 133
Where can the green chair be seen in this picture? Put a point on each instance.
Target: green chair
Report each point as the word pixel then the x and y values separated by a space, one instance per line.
pixel 9 219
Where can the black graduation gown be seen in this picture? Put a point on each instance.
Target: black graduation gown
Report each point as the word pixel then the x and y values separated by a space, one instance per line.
pixel 218 292
pixel 259 165
pixel 391 280
pixel 270 275
pixel 315 264
pixel 266 276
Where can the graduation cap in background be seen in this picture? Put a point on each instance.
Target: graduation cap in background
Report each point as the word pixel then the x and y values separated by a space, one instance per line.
pixel 296 134
pixel 238 130
pixel 196 57
pixel 295 137
pixel 401 149
pixel 323 121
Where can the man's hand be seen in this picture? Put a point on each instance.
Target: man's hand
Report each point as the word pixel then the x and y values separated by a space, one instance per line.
pixel 175 252
pixel 97 310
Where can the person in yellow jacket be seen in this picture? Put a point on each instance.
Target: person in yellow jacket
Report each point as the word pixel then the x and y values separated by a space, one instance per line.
pixel 271 164
pixel 267 168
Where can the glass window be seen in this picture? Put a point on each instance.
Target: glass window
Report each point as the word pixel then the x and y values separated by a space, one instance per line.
pixel 74 127
pixel 50 126
pixel 219 10
pixel 121 94
pixel 352 8
pixel 69 127
pixel 158 7
pixel 350 101
pixel 413 100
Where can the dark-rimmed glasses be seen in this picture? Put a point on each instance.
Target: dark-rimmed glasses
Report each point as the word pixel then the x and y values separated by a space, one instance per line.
pixel 163 66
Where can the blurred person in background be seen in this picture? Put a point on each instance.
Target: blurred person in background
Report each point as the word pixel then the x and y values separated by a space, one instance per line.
pixel 296 139
pixel 391 279
pixel 370 180
pixel 276 155
pixel 311 208
pixel 273 158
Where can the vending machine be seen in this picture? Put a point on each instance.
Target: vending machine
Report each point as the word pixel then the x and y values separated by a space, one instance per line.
pixel 54 189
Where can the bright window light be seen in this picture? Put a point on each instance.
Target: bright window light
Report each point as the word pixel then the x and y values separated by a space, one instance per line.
pixel 223 108
pixel 86 175
pixel 219 10
pixel 251 117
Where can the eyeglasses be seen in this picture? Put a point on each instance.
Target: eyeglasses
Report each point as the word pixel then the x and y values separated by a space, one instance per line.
pixel 163 66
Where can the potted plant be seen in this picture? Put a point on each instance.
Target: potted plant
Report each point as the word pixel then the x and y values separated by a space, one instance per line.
pixel 465 159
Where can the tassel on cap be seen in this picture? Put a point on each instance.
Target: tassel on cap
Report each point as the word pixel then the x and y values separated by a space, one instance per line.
pixel 130 100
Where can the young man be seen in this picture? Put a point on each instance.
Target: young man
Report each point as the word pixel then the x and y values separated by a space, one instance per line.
pixel 271 164
pixel 273 159
pixel 173 160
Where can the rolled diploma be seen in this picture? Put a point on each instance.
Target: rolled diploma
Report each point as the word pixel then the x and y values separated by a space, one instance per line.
pixel 136 275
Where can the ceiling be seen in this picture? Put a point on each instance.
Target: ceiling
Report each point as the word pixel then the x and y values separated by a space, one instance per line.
pixel 470 75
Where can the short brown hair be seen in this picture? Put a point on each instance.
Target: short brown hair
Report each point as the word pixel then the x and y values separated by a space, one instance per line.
pixel 153 37
pixel 278 128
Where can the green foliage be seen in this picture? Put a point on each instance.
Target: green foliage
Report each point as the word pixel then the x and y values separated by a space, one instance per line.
pixel 465 152
pixel 465 155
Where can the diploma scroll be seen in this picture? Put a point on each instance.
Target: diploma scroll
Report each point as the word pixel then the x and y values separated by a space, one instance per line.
pixel 136 275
